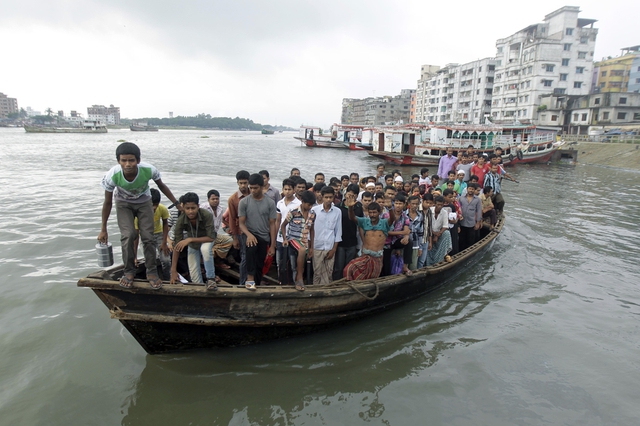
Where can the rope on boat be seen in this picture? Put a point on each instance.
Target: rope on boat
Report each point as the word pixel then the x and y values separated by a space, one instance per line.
pixel 364 295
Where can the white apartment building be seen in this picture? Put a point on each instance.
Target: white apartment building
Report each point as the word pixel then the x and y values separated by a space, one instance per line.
pixel 554 57
pixel 106 115
pixel 455 93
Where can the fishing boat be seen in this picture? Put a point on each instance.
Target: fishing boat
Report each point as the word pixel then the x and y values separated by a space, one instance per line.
pixel 186 317
pixel 88 126
pixel 267 132
pixel 141 126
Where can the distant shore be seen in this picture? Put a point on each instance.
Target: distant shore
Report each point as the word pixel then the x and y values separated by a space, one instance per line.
pixel 622 155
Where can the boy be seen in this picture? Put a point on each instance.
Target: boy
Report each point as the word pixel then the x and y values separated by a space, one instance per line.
pixel 257 220
pixel 128 183
pixel 223 242
pixel 160 233
pixel 296 226
pixel 197 223
pixel 288 202
pixel 326 233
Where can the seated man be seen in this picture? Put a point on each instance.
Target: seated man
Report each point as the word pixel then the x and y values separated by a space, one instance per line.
pixel 369 265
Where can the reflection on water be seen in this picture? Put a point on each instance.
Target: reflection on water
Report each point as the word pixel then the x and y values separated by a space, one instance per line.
pixel 543 329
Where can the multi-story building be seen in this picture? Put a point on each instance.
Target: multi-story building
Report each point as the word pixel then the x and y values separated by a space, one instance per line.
pixel 378 110
pixel 106 115
pixel 455 93
pixel 7 105
pixel 634 75
pixel 614 74
pixel 553 57
pixel 575 114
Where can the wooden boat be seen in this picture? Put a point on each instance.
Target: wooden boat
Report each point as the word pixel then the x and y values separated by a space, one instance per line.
pixel 142 127
pixel 184 317
pixel 88 126
pixel 340 136
pixel 267 132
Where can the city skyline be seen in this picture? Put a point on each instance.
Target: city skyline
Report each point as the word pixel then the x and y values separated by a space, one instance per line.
pixel 284 62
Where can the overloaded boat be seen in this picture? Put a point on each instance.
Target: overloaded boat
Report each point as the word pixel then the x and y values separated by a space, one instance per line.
pixel 142 127
pixel 187 316
pixel 88 126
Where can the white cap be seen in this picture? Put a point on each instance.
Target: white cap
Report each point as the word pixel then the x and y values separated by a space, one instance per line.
pixel 398 179
pixel 370 184
pixel 462 172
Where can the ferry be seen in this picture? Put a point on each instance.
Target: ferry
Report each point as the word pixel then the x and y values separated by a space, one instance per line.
pixel 88 126
pixel 142 127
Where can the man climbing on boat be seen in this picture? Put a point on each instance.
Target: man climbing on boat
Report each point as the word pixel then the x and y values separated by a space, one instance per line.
pixel 376 230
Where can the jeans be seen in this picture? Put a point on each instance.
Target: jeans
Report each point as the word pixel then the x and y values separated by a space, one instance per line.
pixel 284 254
pixel 206 254
pixel 422 260
pixel 144 212
pixel 344 255
pixel 243 258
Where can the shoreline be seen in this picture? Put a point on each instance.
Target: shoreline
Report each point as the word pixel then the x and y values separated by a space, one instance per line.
pixel 618 155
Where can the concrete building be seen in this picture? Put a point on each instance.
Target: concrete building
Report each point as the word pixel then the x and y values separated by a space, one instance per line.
pixel 455 93
pixel 107 115
pixel 7 105
pixel 32 113
pixel 575 114
pixel 553 57
pixel 378 110
pixel 634 76
pixel 614 74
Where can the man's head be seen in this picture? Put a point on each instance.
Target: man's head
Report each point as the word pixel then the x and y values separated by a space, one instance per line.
pixel 242 178
pixel 461 174
pixel 213 197
pixel 487 191
pixel 256 182
pixel 308 199
pixel 128 156
pixel 481 160
pixel 190 204
pixel 344 180
pixel 374 210
pixel 449 151
pixel 475 188
pixel 427 201
pixel 388 180
pixel 366 199
pixel 414 202
pixel 265 176
pixel 424 172
pixel 448 195
pixel 378 187
pixel 473 179
pixel 155 198
pixel 317 189
pixel 439 202
pixel 380 169
pixel 319 178
pixel 295 172
pixel 354 178
pixel 327 196
pixel 397 182
pixel 301 186
pixel 399 203
pixel 390 192
pixel 434 180
pixel 288 188
pixel 451 175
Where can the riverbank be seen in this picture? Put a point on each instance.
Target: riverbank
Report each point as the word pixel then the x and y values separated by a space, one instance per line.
pixel 621 155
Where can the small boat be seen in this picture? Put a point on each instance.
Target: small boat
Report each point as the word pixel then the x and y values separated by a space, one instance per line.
pixel 142 127
pixel 267 132
pixel 340 136
pixel 187 316
pixel 88 126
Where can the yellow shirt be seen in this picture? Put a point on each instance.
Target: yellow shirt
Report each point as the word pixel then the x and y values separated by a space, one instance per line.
pixel 161 213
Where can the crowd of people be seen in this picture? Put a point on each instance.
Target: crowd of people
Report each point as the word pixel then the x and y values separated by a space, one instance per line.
pixel 348 227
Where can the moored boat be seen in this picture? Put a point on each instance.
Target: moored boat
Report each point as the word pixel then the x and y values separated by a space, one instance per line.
pixel 88 126
pixel 183 317
pixel 267 132
pixel 339 136
pixel 142 127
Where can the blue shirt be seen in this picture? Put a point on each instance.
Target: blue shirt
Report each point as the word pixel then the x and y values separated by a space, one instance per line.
pixel 382 225
pixel 327 227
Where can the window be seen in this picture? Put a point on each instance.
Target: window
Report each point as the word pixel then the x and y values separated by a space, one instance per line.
pixel 577 84
pixel 563 77
pixel 622 116
pixel 493 68
pixel 568 31
pixel 500 49
pixel 637 80
pixel 596 101
pixel 605 115
pixel 565 62
pixel 582 55
pixel 622 101
pixel 548 68
pixel 575 117
pixel 479 69
pixel 547 83
pixel 617 73
pixel 584 117
pixel 616 84
pixel 558 91
pixel 603 74
pixel 636 116
pixel 584 39
pixel 554 118
pixel 579 70
pixel 567 47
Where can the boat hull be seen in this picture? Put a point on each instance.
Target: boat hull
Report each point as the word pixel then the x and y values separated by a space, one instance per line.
pixel 319 143
pixel 187 317
pixel 30 129
pixel 404 159
pixel 143 129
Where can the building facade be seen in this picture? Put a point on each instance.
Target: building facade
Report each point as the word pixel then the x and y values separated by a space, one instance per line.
pixel 107 115
pixel 7 105
pixel 377 111
pixel 634 76
pixel 553 57
pixel 614 74
pixel 455 93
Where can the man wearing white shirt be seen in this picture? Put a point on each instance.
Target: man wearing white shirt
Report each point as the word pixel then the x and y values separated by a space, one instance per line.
pixel 326 233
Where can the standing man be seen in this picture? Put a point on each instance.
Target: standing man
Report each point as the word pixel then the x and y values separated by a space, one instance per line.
pixel 493 179
pixel 239 239
pixel 257 221
pixel 380 173
pixel 326 233
pixel 447 163
pixel 269 190
pixel 471 207
pixel 348 247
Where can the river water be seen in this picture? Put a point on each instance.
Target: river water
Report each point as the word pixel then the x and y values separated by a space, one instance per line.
pixel 545 329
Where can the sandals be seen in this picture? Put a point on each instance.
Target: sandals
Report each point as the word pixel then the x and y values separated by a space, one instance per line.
pixel 155 281
pixel 250 285
pixel 212 284
pixel 300 286
pixel 408 272
pixel 126 281
pixel 448 259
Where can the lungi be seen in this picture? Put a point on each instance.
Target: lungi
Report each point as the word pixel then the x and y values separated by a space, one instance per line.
pixel 364 267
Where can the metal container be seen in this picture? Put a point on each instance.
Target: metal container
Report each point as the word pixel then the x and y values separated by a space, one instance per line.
pixel 105 255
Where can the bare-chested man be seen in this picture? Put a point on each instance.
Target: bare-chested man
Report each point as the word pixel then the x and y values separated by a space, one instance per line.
pixel 369 265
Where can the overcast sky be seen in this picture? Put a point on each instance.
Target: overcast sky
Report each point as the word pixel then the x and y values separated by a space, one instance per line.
pixel 279 61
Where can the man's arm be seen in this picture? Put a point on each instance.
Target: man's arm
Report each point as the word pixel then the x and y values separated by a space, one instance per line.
pixel 103 236
pixel 166 191
pixel 273 230
pixel 392 217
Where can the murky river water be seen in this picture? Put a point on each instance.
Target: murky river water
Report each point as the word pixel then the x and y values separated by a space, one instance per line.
pixel 543 330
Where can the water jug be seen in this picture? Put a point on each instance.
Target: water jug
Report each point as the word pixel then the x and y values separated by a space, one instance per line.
pixel 105 255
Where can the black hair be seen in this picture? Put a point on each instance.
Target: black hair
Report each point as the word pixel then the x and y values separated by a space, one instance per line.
pixel 354 174
pixel 379 195
pixel 128 148
pixel 435 177
pixel 473 185
pixel 318 186
pixel 367 194
pixel 380 164
pixel 343 177
pixel 374 206
pixel 389 176
pixel 413 197
pixel 486 189
pixel 155 196
pixel 472 177
pixel 386 188
pixel 288 182
pixel 309 185
pixel 334 180
pixel 447 192
pixel 213 192
pixel 427 197
pixel 294 170
pixel 256 179
pixel 298 180
pixel 439 199
pixel 319 174
pixel 190 197
pixel 242 175
pixel 491 156
pixel 470 146
pixel 353 188
pixel 415 176
pixel 308 197
pixel 327 190
pixel 401 198
pixel 424 170
pixel 464 154
pixel 451 172
pixel 264 173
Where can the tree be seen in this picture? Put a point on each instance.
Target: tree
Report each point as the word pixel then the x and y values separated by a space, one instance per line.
pixel 49 111
pixel 23 113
